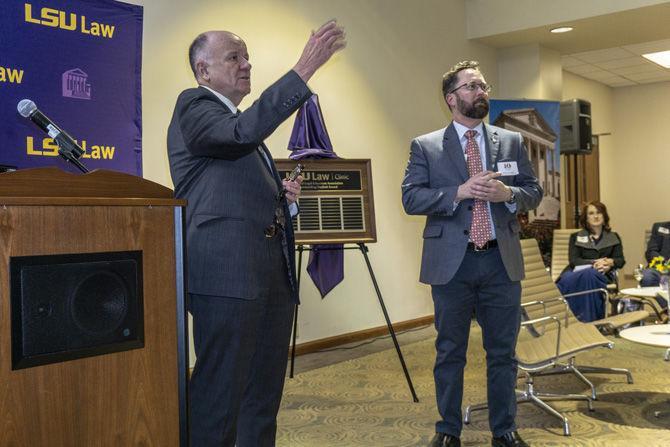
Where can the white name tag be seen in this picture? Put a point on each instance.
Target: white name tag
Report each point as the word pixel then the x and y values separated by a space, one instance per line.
pixel 663 230
pixel 583 239
pixel 508 168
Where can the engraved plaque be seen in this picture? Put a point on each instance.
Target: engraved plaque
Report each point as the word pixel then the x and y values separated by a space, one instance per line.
pixel 336 204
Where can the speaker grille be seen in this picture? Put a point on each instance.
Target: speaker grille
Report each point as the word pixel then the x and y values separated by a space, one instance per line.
pixel 78 305
pixel 100 303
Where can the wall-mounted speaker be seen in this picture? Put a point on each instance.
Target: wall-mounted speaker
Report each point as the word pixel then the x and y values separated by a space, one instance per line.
pixel 575 117
pixel 75 305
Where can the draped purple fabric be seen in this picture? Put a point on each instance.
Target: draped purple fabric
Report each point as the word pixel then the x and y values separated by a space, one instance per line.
pixel 310 139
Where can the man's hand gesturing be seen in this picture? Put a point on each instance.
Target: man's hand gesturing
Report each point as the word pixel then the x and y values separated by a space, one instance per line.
pixel 322 44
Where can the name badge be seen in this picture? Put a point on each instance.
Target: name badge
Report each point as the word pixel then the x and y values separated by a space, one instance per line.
pixel 508 168
pixel 583 239
pixel 663 230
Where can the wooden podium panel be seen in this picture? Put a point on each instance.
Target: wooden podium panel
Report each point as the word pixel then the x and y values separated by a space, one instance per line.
pixel 128 398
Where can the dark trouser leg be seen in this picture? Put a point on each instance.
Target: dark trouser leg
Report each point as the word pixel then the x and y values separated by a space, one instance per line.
pixel 224 334
pixel 587 307
pixel 650 278
pixel 454 304
pixel 499 315
pixel 257 423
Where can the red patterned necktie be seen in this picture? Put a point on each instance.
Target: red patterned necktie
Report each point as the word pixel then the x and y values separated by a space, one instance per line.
pixel 480 229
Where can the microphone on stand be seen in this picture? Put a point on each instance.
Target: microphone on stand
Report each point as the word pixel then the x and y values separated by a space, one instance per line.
pixel 67 146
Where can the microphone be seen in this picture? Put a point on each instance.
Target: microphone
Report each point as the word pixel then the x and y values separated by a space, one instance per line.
pixel 67 146
pixel 291 178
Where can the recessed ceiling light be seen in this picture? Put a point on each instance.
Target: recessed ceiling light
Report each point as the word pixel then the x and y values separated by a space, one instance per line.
pixel 661 58
pixel 561 29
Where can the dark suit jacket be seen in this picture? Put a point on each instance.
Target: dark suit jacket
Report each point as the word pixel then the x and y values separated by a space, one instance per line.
pixel 582 250
pixel 435 170
pixel 659 241
pixel 216 165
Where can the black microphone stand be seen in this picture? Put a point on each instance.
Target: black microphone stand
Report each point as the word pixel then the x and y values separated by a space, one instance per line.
pixel 71 154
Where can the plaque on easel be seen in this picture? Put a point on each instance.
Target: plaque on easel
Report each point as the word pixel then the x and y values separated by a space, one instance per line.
pixel 336 203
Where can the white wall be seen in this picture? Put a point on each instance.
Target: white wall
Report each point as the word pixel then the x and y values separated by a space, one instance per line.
pixel 637 173
pixel 380 92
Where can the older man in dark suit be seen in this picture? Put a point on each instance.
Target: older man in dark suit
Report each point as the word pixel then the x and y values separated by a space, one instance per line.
pixel 241 272
pixel 470 180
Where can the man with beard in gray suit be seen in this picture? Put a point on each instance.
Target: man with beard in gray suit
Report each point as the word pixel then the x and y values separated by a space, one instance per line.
pixel 471 179
pixel 240 246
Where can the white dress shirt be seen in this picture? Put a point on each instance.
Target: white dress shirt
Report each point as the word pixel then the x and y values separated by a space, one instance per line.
pixel 479 138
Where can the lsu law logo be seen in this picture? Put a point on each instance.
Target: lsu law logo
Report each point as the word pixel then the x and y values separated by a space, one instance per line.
pixel 68 21
pixel 11 75
pixel 75 84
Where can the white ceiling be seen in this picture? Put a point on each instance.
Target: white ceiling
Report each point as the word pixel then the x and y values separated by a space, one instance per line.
pixel 606 48
pixel 619 66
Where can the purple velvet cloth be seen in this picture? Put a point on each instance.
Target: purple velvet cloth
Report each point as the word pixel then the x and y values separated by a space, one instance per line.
pixel 310 139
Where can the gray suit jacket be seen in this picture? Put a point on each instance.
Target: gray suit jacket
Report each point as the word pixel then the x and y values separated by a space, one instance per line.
pixel 231 191
pixel 435 170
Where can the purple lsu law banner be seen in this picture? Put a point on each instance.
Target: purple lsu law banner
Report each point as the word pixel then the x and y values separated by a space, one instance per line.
pixel 80 62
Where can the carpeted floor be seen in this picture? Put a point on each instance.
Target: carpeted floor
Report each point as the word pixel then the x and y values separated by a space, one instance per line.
pixel 366 402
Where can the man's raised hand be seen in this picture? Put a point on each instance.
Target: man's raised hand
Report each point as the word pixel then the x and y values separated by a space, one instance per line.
pixel 322 44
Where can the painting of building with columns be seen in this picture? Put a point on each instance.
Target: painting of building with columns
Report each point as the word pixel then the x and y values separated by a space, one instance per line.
pixel 538 122
pixel 540 141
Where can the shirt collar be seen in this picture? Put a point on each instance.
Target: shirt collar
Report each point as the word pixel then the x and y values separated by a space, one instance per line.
pixel 223 99
pixel 461 129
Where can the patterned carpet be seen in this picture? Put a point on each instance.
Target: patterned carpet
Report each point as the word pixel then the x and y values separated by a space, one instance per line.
pixel 366 402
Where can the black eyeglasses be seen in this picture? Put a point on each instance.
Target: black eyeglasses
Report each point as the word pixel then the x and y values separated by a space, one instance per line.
pixel 472 86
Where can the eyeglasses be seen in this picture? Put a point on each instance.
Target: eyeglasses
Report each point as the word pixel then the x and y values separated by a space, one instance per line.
pixel 472 86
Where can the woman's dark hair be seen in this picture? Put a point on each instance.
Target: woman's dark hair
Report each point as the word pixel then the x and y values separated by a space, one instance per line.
pixel 602 209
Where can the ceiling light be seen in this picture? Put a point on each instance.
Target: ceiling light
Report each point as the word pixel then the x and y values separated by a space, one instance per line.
pixel 661 58
pixel 561 29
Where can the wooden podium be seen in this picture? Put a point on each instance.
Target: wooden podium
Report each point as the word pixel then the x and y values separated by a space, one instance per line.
pixel 93 392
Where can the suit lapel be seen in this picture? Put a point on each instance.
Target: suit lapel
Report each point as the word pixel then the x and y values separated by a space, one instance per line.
pixel 454 151
pixel 266 158
pixel 264 154
pixel 492 146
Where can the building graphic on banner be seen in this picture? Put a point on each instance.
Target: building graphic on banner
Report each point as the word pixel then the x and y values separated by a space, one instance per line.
pixel 540 140
pixel 76 85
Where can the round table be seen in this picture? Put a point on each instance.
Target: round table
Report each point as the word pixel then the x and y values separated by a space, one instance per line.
pixel 653 335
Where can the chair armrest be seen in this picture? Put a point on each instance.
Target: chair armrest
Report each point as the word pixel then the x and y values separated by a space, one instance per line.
pixel 544 306
pixel 584 292
pixel 558 332
pixel 646 301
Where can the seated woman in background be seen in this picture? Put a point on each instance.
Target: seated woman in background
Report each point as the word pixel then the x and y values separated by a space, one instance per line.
pixel 595 252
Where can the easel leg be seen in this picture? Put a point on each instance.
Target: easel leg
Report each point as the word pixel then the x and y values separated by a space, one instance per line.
pixel 364 250
pixel 295 313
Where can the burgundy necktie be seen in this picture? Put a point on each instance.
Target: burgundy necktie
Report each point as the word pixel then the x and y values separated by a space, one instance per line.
pixel 480 229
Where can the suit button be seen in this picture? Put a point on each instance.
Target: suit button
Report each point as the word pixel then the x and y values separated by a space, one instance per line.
pixel 470 208
pixel 466 232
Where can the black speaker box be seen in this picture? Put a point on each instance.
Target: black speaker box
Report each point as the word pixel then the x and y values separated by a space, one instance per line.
pixel 75 305
pixel 575 127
